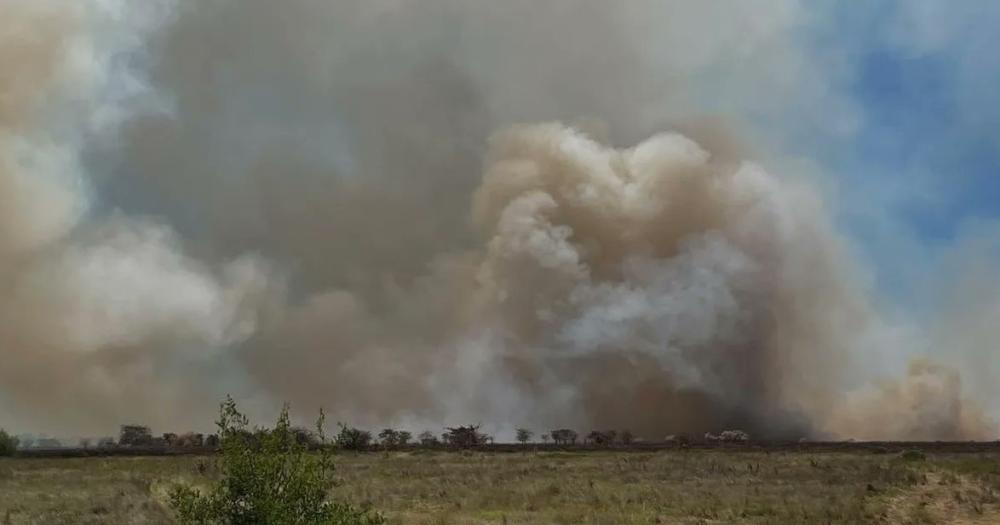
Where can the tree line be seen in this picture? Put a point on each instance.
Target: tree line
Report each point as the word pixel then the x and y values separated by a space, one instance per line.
pixel 133 436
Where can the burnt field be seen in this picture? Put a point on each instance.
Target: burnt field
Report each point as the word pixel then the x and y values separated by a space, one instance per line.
pixel 758 483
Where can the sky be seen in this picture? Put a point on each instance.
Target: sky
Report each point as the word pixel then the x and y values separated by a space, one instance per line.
pixel 906 130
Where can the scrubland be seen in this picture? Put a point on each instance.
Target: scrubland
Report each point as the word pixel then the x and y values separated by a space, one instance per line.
pixel 533 487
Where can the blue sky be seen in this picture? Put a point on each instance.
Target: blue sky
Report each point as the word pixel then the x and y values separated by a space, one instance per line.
pixel 923 163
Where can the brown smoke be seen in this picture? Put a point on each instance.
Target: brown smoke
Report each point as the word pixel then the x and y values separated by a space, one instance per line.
pixel 309 202
pixel 652 288
pixel 102 318
pixel 927 404
pixel 36 206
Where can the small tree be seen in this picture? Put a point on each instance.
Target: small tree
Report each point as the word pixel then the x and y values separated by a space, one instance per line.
pixel 388 438
pixel 606 438
pixel 524 435
pixel 267 477
pixel 564 436
pixel 627 438
pixel 465 436
pixel 545 438
pixel 8 444
pixel 135 436
pixel 350 438
pixel 428 439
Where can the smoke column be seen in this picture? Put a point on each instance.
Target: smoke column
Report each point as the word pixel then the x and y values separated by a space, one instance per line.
pixel 338 204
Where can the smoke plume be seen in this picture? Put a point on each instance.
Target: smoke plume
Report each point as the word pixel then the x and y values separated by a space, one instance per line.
pixel 339 204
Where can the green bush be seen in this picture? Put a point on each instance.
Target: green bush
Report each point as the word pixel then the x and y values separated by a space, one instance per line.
pixel 8 444
pixel 268 477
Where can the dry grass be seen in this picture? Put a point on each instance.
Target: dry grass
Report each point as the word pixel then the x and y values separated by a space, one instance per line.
pixel 425 487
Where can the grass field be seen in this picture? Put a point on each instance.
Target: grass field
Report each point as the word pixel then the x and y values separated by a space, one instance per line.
pixel 606 487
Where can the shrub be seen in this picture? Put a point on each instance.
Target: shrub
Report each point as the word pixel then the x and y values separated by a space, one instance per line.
pixel 267 477
pixel 913 455
pixel 8 444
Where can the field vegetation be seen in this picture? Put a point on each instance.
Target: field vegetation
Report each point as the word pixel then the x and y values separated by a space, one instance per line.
pixel 427 486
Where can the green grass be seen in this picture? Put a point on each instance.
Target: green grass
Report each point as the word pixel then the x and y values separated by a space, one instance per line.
pixel 435 487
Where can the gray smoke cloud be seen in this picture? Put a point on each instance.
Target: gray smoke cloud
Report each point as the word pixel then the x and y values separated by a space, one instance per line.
pixel 335 203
